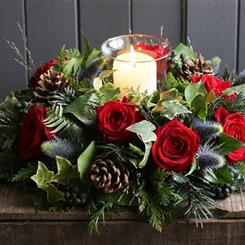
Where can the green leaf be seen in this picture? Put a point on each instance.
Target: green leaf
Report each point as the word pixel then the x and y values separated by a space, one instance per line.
pixel 215 64
pixel 108 92
pixel 66 171
pixel 194 90
pixel 85 160
pixel 72 66
pixel 25 173
pixel 173 108
pixel 219 176
pixel 43 176
pixel 82 108
pixel 171 94
pixel 229 144
pixel 87 49
pixel 53 195
pixel 144 130
pixel 188 52
pixel 193 168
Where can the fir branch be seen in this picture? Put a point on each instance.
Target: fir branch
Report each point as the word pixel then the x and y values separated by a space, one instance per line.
pixel 148 207
pixel 25 173
pixel 98 214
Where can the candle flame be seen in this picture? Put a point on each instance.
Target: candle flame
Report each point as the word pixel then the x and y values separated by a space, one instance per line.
pixel 132 55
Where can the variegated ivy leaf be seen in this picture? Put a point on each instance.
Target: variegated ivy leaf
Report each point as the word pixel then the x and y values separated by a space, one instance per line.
pixel 144 130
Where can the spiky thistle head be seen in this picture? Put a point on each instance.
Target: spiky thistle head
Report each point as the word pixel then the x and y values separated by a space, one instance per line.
pixel 240 79
pixel 61 147
pixel 207 130
pixel 208 157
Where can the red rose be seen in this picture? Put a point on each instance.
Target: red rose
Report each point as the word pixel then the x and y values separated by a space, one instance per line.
pixel 42 69
pixel 212 83
pixel 156 52
pixel 175 147
pixel 33 132
pixel 113 119
pixel 233 125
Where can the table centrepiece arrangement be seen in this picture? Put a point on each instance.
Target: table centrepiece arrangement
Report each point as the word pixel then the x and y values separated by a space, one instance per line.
pixel 136 125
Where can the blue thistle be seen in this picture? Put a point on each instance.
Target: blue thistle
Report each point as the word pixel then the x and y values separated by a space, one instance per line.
pixel 61 147
pixel 207 157
pixel 207 130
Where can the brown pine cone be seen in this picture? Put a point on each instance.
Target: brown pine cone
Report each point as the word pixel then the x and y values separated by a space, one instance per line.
pixel 50 84
pixel 193 67
pixel 108 175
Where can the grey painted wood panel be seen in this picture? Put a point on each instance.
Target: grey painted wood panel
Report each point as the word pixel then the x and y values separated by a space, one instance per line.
pixel 12 74
pixel 102 19
pixel 212 28
pixel 149 16
pixel 50 24
pixel 242 37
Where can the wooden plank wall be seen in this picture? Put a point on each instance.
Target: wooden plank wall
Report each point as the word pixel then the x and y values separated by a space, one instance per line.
pixel 215 27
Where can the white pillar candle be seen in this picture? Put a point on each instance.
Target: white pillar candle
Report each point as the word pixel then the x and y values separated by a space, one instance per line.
pixel 135 69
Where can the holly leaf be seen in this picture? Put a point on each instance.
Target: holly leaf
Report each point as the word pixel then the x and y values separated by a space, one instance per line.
pixel 85 160
pixel 82 108
pixel 66 171
pixel 229 144
pixel 144 130
pixel 43 176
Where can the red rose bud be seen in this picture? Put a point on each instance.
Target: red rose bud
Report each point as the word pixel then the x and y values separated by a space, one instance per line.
pixel 42 69
pixel 233 125
pixel 212 83
pixel 114 117
pixel 175 147
pixel 33 132
pixel 156 52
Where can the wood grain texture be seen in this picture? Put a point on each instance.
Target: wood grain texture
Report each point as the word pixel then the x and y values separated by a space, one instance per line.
pixel 20 224
pixel 149 16
pixel 50 24
pixel 212 28
pixel 12 74
pixel 102 19
pixel 242 36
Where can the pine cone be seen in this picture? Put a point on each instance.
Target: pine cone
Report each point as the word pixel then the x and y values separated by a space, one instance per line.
pixel 198 66
pixel 108 175
pixel 50 84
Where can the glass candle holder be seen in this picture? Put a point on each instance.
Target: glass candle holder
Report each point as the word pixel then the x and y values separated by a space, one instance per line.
pixel 138 60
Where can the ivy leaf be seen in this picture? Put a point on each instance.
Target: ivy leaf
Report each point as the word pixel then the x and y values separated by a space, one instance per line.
pixel 173 108
pixel 170 94
pixel 107 93
pixel 144 130
pixel 85 159
pixel 66 171
pixel 53 195
pixel 43 179
pixel 82 108
pixel 182 49
pixel 43 176
pixel 229 144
